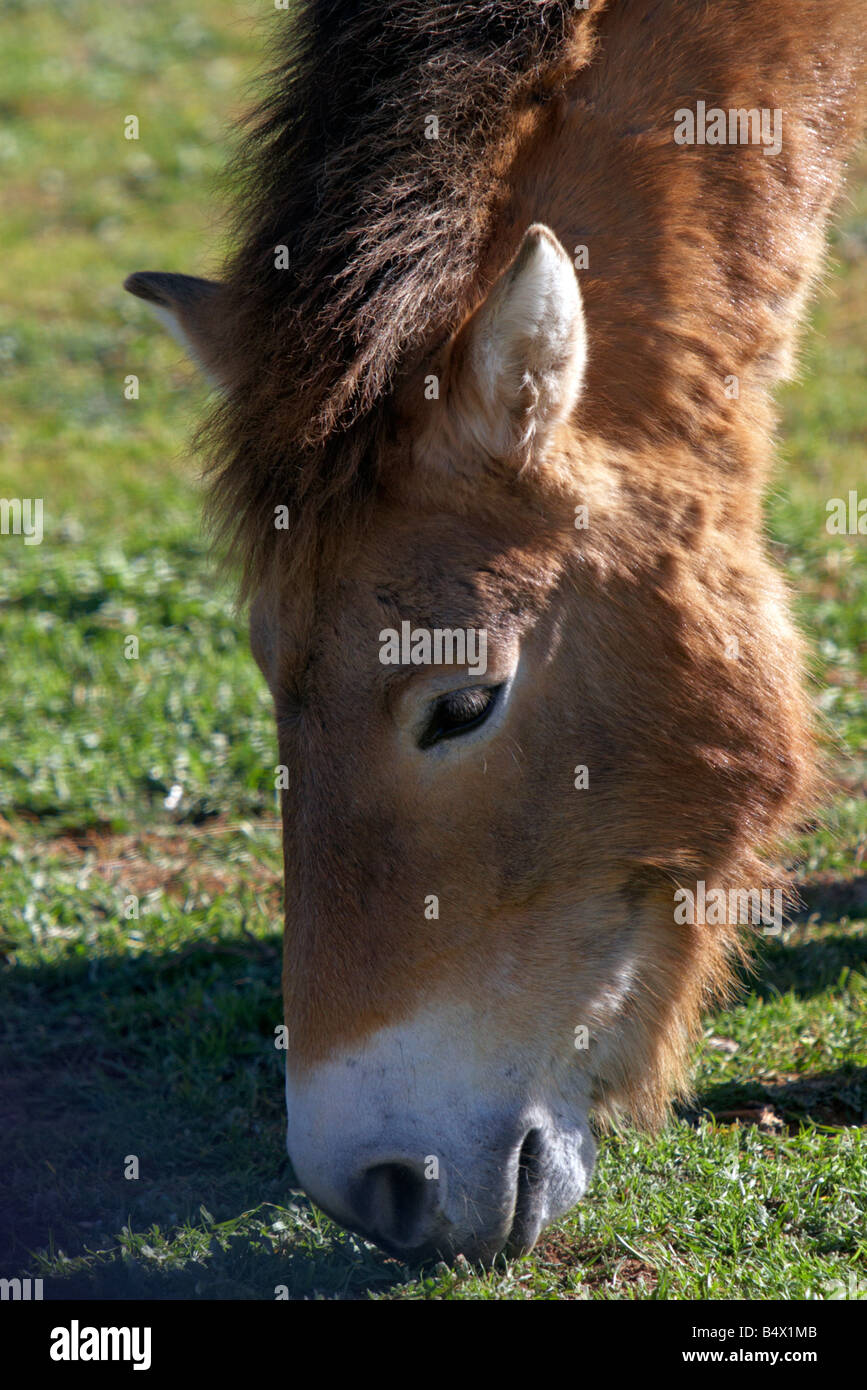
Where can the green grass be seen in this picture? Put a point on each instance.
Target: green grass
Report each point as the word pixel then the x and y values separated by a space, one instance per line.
pixel 152 1035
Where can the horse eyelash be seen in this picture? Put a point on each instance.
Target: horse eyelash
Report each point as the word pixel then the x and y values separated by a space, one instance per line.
pixel 435 734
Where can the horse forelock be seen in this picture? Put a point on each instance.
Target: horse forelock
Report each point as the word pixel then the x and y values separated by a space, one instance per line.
pixel 383 230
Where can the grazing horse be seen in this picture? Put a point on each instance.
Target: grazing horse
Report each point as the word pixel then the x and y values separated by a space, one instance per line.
pixel 495 354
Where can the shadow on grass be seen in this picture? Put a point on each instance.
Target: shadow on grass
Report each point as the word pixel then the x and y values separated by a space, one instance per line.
pixel 806 968
pixel 835 1098
pixel 168 1060
pixel 831 898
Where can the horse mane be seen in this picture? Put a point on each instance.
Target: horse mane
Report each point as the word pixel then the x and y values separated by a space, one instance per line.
pixel 382 227
pixel 702 259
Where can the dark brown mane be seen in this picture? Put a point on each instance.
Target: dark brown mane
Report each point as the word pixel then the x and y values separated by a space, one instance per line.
pixel 383 229
pixel 701 257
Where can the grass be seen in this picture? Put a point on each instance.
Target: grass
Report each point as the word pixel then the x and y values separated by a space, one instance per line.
pixel 139 850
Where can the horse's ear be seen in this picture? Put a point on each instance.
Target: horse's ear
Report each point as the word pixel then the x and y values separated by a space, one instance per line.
pixel 190 309
pixel 516 366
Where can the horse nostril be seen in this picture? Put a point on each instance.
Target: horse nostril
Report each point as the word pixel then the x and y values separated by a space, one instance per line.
pixel 529 1164
pixel 530 1187
pixel 395 1202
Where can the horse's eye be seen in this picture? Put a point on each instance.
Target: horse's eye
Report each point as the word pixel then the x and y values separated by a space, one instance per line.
pixel 458 712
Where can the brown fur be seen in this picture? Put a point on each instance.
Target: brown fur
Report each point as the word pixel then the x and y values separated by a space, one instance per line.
pixel 700 259
pixel 699 263
pixel 384 230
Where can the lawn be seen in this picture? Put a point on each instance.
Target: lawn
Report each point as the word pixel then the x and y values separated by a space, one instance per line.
pixel 139 846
